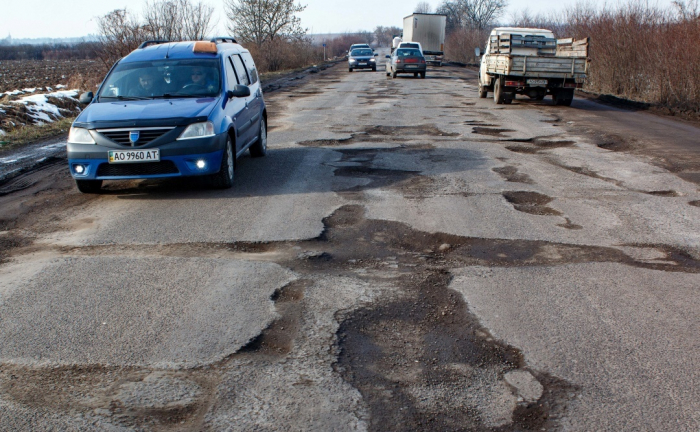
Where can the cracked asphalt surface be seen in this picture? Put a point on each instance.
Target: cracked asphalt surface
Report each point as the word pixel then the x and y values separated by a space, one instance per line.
pixel 407 257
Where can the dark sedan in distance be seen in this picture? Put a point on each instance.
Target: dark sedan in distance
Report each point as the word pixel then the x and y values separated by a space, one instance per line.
pixel 406 60
pixel 362 58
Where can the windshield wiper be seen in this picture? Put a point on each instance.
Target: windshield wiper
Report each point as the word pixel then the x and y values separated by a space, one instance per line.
pixel 175 95
pixel 126 98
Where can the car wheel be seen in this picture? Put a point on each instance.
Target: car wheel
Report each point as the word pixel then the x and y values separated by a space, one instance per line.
pixel 259 149
pixel 374 69
pixel 422 75
pixel 89 186
pixel 350 69
pixel 415 74
pixel 224 178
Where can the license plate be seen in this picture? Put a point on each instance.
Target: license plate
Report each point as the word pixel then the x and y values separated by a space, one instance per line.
pixel 124 156
pixel 537 82
pixel 411 66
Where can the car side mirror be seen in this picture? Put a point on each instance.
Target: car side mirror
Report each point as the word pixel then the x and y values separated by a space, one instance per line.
pixel 238 91
pixel 376 55
pixel 477 52
pixel 86 98
pixel 387 56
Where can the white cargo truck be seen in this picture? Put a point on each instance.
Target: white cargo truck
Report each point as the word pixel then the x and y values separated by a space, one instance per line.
pixel 429 31
pixel 532 62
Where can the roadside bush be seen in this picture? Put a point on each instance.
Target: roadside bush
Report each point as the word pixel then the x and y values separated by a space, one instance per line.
pixel 643 53
pixel 460 44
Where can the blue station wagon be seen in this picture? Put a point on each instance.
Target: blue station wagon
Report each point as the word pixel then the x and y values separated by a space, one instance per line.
pixel 170 110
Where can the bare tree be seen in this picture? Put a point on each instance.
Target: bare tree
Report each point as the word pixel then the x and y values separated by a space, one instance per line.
pixel 384 35
pixel 423 7
pixel 477 14
pixel 176 20
pixel 120 33
pixel 259 21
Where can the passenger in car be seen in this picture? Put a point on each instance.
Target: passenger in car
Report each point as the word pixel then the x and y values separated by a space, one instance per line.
pixel 146 86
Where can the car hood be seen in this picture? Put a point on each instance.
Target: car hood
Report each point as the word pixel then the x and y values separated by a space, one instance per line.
pixel 361 57
pixel 171 111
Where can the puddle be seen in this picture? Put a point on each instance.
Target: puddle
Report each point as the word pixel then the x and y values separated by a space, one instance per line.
pixel 531 202
pixel 694 203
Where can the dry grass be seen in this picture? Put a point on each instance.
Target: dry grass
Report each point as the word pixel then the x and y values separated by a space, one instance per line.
pixel 30 134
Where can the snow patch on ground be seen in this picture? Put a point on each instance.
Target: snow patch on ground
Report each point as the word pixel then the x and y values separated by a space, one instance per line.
pixel 38 105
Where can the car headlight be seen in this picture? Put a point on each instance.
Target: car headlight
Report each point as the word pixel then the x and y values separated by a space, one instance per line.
pixel 197 130
pixel 352 60
pixel 371 60
pixel 80 136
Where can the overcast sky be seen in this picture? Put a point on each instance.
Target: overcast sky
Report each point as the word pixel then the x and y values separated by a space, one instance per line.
pixel 75 18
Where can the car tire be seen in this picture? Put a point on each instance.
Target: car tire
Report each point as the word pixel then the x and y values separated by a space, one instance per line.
pixel 224 178
pixel 89 186
pixel 374 69
pixel 498 91
pixel 259 148
pixel 483 91
pixel 350 69
pixel 415 74
pixel 422 75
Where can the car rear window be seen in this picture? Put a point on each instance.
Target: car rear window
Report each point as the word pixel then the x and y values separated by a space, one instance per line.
pixel 408 53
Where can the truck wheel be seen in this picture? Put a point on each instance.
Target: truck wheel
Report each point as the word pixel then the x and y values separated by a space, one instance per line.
pixel 483 91
pixel 498 91
pixel 89 186
pixel 563 97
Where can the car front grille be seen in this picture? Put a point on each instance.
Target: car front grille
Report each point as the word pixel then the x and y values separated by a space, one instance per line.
pixel 121 136
pixel 137 169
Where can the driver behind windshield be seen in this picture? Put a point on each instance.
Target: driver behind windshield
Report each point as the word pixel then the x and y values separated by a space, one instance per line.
pixel 201 81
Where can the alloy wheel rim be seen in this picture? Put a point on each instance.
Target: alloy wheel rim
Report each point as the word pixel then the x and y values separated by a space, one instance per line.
pixel 263 135
pixel 229 156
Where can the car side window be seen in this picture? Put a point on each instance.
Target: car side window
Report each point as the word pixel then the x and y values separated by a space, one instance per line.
pixel 240 70
pixel 250 65
pixel 231 79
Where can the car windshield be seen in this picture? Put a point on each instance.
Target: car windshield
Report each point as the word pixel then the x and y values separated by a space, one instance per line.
pixel 408 53
pixel 410 45
pixel 361 52
pixel 163 79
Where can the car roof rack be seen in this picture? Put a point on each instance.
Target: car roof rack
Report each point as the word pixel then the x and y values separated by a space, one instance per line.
pixel 152 42
pixel 224 39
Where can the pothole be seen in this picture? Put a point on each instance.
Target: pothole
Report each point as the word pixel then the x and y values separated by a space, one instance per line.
pixel 535 145
pixel 570 225
pixel 511 174
pixel 408 131
pixel 490 131
pixel 531 202
pixel 695 203
pixel 423 362
pixel 664 193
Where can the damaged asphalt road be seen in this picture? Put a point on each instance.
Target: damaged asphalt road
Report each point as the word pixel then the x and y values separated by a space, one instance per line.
pixel 407 257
